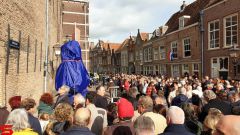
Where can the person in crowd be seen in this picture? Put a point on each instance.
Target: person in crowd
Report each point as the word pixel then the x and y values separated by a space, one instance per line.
pixel 62 96
pixel 180 98
pixel 175 121
pixel 191 120
pixel 144 126
pixel 236 103
pixel 228 125
pixel 29 105
pixel 100 100
pixel 151 90
pixel 80 123
pixel 44 120
pixel 213 102
pixel 18 118
pixel 160 109
pixel 112 117
pixel 98 119
pixel 125 125
pixel 45 104
pixel 15 102
pixel 3 113
pixel 126 85
pixel 160 99
pixel 145 108
pixel 132 96
pixel 211 121
pixel 145 86
pixel 78 101
pixel 173 93
pixel 63 115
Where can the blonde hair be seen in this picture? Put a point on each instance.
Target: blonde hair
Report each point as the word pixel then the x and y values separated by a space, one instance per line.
pixel 211 121
pixel 18 118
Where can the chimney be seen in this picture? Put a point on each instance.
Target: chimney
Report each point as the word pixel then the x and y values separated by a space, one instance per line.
pixel 183 6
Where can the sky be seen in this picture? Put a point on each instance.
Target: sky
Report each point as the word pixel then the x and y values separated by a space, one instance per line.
pixel 115 20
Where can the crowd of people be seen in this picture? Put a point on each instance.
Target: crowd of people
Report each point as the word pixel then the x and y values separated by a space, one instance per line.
pixel 147 105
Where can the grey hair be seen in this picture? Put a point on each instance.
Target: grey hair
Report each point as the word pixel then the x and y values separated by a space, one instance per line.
pixel 18 118
pixel 176 115
pixel 144 126
pixel 209 94
pixel 81 100
pixel 66 88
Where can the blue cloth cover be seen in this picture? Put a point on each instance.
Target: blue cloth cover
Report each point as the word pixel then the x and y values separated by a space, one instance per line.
pixel 72 71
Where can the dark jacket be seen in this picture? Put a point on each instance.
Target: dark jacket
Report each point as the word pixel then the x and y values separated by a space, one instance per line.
pixel 223 106
pixel 60 127
pixel 4 115
pixel 35 124
pixel 78 131
pixel 62 99
pixel 176 129
pixel 101 102
pixel 179 99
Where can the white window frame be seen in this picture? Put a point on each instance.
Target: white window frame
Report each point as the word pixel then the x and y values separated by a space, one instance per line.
pixel 183 68
pixel 213 31
pixel 230 16
pixel 181 22
pixel 174 45
pixel 162 52
pixel 189 44
pixel 150 54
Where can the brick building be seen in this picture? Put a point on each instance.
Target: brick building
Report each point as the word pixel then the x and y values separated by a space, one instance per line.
pixel 102 57
pixel 76 25
pixel 23 24
pixel 221 44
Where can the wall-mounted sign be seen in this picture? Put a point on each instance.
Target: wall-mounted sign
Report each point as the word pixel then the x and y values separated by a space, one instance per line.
pixel 14 44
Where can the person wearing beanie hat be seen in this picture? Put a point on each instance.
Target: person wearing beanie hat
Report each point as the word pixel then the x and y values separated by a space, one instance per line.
pixel 125 113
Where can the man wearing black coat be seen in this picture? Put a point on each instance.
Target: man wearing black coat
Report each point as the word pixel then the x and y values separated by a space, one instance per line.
pixel 81 120
pixel 214 102
pixel 175 120
pixel 62 96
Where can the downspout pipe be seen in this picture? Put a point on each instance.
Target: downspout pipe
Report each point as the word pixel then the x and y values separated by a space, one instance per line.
pixel 202 41
pixel 46 50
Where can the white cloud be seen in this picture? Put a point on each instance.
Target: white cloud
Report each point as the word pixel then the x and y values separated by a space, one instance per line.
pixel 114 20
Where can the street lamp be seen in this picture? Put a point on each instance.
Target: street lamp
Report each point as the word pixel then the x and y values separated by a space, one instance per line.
pixel 57 52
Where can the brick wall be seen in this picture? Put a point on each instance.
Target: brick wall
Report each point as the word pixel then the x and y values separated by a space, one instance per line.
pixel 29 18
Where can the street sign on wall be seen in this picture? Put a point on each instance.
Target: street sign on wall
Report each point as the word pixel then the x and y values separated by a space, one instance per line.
pixel 14 44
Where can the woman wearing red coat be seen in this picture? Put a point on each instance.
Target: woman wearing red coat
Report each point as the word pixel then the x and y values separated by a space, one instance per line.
pixel 151 89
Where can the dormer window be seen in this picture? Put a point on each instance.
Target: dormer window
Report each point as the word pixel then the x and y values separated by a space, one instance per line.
pixel 183 20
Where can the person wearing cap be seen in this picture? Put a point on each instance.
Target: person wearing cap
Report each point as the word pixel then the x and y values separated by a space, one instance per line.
pixel 3 113
pixel 125 113
pixel 145 108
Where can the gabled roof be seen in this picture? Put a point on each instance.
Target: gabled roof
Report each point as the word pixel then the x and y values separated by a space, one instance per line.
pixel 192 10
pixel 144 36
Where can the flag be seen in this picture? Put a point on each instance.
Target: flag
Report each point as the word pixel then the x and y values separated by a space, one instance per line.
pixel 170 56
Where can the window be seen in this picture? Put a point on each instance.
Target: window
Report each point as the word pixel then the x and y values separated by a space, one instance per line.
pixel 149 54
pixel 137 55
pixel 185 67
pixel 162 69
pixel 141 55
pixel 174 49
pixel 231 30
pixel 109 60
pixel 195 67
pixel 131 57
pixel 175 71
pixel 162 52
pixel 187 48
pixel 100 60
pixel 155 54
pixel 181 22
pixel 145 54
pixel 213 35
